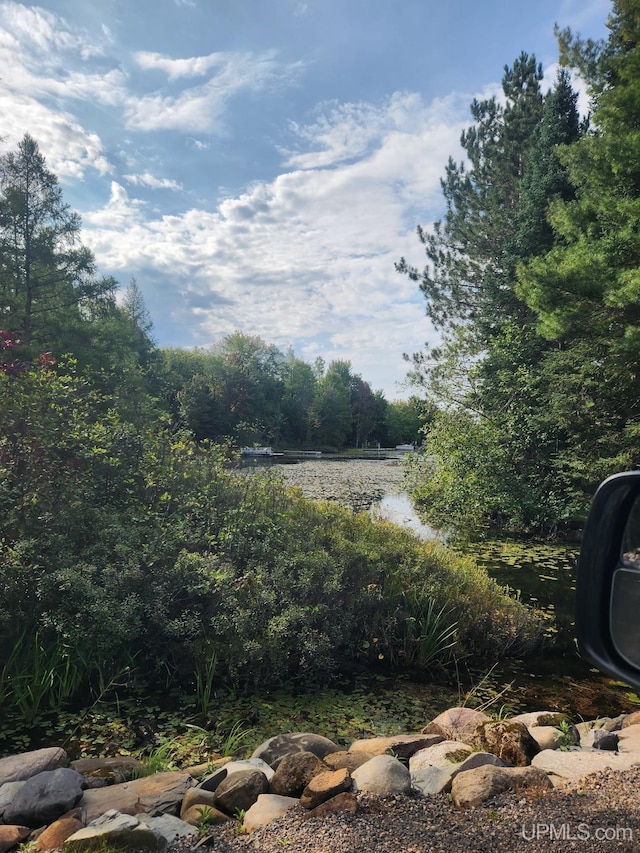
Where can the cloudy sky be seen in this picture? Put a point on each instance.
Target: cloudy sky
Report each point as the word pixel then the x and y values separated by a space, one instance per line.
pixel 261 164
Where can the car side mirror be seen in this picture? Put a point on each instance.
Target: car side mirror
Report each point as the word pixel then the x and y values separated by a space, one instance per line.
pixel 608 581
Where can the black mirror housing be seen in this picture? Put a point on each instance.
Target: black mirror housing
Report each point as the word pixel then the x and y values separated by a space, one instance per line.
pixel 608 583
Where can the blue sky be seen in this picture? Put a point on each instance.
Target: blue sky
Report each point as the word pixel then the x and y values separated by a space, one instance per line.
pixel 261 164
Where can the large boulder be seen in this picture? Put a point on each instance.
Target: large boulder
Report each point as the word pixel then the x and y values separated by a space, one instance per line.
pixel 45 797
pixel 266 808
pixel 456 723
pixel 349 760
pixel 16 768
pixel 111 770
pixel 240 790
pixel 432 780
pixel 117 831
pixel 162 792
pixel 341 803
pixel 574 764
pixel 324 787
pixel 170 827
pixel 294 773
pixel 211 781
pixel 57 833
pixel 445 754
pixel 383 775
pixel 473 787
pixel 8 793
pixel 274 750
pixel 402 746
pixel 508 740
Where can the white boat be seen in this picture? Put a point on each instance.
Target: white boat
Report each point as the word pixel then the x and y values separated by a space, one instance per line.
pixel 257 451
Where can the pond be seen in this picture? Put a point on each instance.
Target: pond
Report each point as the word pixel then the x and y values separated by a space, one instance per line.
pixel 540 574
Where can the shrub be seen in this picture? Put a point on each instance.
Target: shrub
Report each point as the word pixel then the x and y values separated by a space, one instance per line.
pixel 129 548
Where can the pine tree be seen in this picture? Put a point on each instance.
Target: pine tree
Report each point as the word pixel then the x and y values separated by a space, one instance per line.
pixel 45 274
pixel 493 442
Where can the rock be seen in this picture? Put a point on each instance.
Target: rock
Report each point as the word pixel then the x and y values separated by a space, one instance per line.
pixel 240 790
pixel 345 802
pixel 211 782
pixel 194 815
pixel 266 808
pixel 478 759
pixel 574 764
pixel 112 770
pixel 585 729
pixel 274 750
pixel 508 740
pixel 196 797
pixel 432 780
pixel 611 724
pixel 57 833
pixel 11 836
pixel 45 797
pixel 540 718
pixel 445 754
pixel 162 792
pixel 605 740
pixel 8 792
pixel 170 827
pixel 473 787
pixel 21 767
pixel 402 746
pixel 120 831
pixel 294 773
pixel 630 720
pixel 456 723
pixel 383 775
pixel 629 739
pixel 324 786
pixel 200 771
pixel 350 760
pixel 547 737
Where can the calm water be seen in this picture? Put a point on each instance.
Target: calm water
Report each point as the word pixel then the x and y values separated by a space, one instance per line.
pixel 542 576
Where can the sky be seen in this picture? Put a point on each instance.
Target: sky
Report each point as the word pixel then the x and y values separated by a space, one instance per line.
pixel 262 164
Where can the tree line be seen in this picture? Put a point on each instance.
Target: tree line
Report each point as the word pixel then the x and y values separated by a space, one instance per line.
pixel 532 278
pixel 241 391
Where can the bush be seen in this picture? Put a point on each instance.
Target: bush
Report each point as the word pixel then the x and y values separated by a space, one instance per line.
pixel 124 548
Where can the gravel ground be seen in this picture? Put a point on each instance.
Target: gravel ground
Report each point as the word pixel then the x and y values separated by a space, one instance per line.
pixel 356 484
pixel 599 813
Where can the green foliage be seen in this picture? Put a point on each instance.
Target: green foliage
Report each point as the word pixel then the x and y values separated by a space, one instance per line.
pixel 134 552
pixel 154 554
pixel 518 438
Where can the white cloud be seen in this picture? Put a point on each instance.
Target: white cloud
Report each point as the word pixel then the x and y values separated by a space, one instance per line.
pixel 149 180
pixel 43 31
pixel 200 108
pixel 316 245
pixel 120 213
pixel 32 44
pixel 195 66
pixel 68 148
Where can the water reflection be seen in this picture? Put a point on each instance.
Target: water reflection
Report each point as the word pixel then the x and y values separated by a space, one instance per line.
pixel 397 507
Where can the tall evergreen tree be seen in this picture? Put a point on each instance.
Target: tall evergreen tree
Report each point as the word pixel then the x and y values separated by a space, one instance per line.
pixel 585 291
pixel 492 441
pixel 45 274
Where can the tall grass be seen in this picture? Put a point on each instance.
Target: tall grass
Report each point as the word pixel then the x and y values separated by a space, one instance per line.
pixel 38 676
